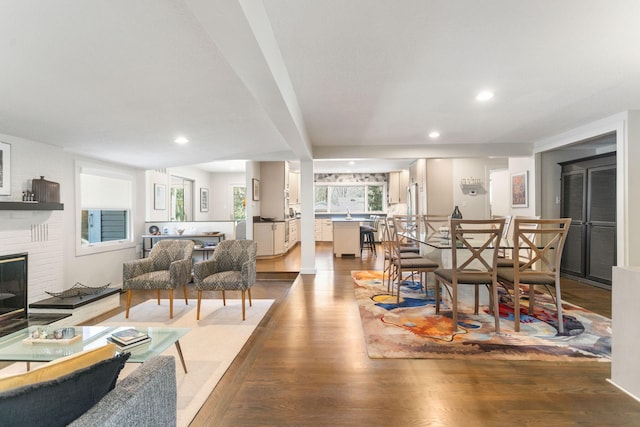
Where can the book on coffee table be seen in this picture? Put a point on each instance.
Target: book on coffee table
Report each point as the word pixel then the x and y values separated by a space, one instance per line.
pixel 129 336
pixel 122 347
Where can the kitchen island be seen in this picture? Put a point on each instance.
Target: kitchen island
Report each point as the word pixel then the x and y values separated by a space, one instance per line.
pixel 346 237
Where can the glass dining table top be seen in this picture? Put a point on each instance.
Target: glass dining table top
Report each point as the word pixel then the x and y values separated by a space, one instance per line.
pixel 19 347
pixel 440 242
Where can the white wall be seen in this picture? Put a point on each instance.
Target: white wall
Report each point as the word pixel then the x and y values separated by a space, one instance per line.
pixel 500 192
pixel 439 181
pixel 221 194
pixel 49 236
pixel 525 164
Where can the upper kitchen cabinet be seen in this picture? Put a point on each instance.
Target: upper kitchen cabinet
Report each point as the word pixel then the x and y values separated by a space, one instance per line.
pixel 294 188
pixel 274 189
pixel 398 183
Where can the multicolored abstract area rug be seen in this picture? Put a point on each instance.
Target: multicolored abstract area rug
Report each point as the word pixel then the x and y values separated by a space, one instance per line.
pixel 412 330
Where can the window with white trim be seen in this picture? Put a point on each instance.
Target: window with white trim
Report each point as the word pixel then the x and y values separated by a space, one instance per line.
pixel 104 201
pixel 360 198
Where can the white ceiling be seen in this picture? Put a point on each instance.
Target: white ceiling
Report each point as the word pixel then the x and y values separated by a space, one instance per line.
pixel 307 79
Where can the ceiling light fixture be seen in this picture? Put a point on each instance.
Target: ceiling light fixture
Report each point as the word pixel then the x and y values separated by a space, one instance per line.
pixel 181 140
pixel 352 162
pixel 434 134
pixel 485 95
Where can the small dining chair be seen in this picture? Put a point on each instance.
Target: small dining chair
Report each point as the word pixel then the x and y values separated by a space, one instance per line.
pixel 544 239
pixel 474 258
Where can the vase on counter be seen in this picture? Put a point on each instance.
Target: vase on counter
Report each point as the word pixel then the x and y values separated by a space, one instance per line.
pixel 456 214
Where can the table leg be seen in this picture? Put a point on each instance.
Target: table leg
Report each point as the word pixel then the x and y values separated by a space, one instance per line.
pixel 184 366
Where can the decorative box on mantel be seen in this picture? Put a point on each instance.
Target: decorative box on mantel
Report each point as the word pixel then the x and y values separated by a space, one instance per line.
pixel 45 191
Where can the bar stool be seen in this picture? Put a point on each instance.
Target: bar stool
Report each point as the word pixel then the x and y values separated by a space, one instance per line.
pixel 367 235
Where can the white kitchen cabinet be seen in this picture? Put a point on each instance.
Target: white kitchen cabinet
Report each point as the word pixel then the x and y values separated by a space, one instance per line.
pixel 294 232
pixel 294 188
pixel 270 238
pixel 324 230
pixel 398 183
pixel 274 186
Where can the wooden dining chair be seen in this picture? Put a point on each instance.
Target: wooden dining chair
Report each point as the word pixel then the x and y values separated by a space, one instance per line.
pixel 502 252
pixel 405 229
pixel 431 227
pixel 408 262
pixel 387 242
pixel 474 258
pixel 544 239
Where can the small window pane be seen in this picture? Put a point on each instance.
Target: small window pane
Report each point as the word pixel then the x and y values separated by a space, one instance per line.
pixel 374 198
pixel 104 225
pixel 239 202
pixel 321 198
pixel 347 198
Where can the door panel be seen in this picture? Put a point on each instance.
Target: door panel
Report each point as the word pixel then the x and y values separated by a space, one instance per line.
pixel 573 206
pixel 602 253
pixel 573 261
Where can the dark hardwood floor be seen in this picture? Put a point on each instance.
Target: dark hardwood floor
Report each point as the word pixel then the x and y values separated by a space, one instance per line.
pixel 306 365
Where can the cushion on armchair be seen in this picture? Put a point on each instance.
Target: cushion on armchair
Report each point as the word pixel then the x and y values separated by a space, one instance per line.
pixel 59 400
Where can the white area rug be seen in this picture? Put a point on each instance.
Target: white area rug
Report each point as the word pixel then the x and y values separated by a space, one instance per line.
pixel 208 349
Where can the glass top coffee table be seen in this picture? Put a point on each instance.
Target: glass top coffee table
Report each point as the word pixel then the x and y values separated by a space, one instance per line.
pixel 14 348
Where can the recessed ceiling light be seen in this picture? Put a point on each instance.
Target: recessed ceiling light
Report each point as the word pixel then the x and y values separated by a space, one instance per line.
pixel 434 134
pixel 485 95
pixel 181 140
pixel 352 162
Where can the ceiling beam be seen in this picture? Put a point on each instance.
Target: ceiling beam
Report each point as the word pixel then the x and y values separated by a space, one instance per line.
pixel 242 32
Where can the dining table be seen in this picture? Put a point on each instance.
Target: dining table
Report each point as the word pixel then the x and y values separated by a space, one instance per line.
pixel 438 247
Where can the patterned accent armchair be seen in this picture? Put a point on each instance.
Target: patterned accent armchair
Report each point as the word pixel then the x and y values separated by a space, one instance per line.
pixel 167 267
pixel 231 268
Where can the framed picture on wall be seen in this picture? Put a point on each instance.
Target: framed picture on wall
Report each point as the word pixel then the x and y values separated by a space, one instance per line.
pixel 519 190
pixel 159 197
pixel 5 169
pixel 204 200
pixel 256 189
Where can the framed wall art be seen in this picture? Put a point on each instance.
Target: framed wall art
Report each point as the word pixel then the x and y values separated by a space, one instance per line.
pixel 519 190
pixel 204 200
pixel 256 189
pixel 159 197
pixel 5 169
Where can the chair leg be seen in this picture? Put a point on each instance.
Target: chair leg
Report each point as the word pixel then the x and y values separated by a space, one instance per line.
pixel 242 305
pixel 224 299
pixel 516 308
pixel 170 303
pixel 399 279
pixel 476 305
pixel 128 303
pixel 454 305
pixel 437 296
pixel 184 287
pixel 158 292
pixel 559 308
pixel 199 299
pixel 496 306
pixel 249 292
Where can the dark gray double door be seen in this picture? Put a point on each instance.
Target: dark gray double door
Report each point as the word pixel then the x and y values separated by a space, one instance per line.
pixel 589 199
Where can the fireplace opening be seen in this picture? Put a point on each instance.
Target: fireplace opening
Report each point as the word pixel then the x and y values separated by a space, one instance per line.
pixel 13 286
pixel 13 296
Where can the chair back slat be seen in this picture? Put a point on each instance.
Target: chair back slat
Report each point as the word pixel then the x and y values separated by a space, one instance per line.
pixel 470 241
pixel 545 242
pixel 431 225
